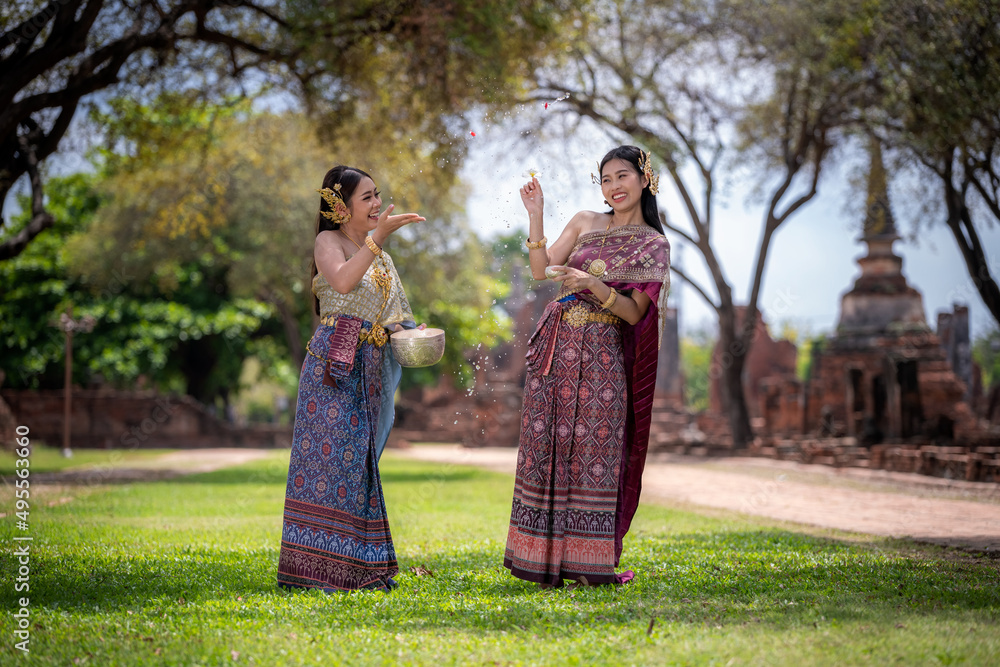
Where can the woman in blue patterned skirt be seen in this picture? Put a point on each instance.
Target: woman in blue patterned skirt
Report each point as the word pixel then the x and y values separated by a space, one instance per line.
pixel 335 534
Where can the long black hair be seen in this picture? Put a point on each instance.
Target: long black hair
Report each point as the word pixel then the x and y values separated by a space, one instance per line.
pixel 631 154
pixel 348 178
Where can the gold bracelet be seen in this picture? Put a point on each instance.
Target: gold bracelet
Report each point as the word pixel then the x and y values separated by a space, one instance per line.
pixel 611 300
pixel 370 242
pixel 536 245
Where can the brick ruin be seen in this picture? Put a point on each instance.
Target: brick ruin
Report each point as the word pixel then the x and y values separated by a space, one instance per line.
pixel 884 391
pixel 113 419
pixel 8 424
pixel 489 413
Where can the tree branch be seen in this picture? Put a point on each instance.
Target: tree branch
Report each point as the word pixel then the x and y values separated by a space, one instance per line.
pixel 989 198
pixel 41 219
pixel 696 286
pixel 56 48
pixel 680 232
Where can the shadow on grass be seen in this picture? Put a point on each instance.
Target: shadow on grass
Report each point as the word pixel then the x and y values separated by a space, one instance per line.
pixel 709 578
pixel 277 472
pixel 434 475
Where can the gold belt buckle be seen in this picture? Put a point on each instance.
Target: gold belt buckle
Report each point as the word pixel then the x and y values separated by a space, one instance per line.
pixel 375 335
pixel 577 316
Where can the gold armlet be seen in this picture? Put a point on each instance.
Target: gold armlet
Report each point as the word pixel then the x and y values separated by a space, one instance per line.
pixel 536 245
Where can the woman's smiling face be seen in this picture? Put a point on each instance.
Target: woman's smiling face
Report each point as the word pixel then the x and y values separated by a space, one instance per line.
pixel 621 184
pixel 366 203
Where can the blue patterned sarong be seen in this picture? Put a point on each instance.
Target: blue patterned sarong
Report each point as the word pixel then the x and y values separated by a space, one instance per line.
pixel 335 533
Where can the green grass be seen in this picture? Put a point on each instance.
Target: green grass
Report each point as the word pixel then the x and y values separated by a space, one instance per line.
pixel 183 572
pixel 50 459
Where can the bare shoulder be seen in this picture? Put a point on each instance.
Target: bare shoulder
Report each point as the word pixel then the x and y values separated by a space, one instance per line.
pixel 327 241
pixel 589 221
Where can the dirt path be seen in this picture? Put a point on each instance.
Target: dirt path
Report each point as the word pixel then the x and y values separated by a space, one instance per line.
pixel 950 512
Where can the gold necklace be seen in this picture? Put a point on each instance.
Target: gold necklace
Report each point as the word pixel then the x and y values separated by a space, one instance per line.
pixel 383 281
pixel 599 267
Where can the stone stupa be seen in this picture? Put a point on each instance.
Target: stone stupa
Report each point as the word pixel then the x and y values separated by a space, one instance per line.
pixel 884 375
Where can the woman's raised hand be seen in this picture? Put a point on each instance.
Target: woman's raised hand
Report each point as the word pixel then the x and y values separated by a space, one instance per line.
pixel 532 197
pixel 387 224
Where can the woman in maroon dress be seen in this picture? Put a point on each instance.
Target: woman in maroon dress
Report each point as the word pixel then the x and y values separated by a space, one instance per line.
pixel 589 388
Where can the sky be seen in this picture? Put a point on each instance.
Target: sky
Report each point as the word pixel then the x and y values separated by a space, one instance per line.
pixel 812 259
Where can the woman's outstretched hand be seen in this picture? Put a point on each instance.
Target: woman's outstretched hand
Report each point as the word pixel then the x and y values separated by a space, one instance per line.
pixel 387 224
pixel 532 197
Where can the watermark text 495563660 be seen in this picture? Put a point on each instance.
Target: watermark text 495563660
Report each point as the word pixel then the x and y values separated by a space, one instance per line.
pixel 21 545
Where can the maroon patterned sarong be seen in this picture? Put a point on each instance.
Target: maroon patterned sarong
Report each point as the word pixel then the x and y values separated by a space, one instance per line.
pixel 585 422
pixel 566 492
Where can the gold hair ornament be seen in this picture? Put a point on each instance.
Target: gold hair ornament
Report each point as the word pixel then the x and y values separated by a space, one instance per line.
pixel 338 213
pixel 645 164
pixel 596 179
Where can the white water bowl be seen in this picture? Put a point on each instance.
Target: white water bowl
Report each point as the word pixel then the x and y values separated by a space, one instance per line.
pixel 416 348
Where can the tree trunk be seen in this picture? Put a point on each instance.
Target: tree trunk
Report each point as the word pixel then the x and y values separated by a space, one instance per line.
pixel 739 416
pixel 198 360
pixel 976 262
pixel 731 359
pixel 292 334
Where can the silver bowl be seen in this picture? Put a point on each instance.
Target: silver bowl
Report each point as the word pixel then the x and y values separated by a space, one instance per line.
pixel 415 348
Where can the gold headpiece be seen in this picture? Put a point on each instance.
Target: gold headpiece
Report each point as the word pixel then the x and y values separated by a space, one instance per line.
pixel 338 213
pixel 646 166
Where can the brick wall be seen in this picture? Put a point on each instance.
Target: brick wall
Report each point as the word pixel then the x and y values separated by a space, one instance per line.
pixel 117 419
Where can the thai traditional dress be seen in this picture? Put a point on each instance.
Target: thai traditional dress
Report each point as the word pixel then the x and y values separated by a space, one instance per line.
pixel 335 534
pixel 588 398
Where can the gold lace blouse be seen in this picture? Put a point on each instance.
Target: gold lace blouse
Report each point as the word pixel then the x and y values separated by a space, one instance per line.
pixel 365 300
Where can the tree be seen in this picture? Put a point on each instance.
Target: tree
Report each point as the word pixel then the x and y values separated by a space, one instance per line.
pixel 441 57
pixel 190 338
pixel 696 364
pixel 986 354
pixel 936 100
pixel 35 287
pixel 189 184
pixel 697 84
